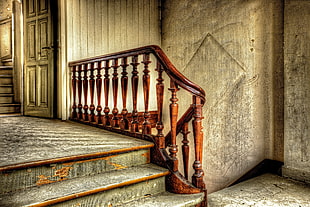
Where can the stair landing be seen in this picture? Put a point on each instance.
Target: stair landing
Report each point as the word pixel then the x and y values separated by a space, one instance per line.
pixel 57 163
pixel 267 190
pixel 28 141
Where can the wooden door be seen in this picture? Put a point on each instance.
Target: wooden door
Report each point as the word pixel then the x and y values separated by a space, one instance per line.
pixel 39 71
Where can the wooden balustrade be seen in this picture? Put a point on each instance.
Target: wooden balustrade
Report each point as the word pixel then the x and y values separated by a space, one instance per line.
pixel 91 79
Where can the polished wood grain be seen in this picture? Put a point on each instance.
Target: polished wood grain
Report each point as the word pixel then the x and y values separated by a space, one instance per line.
pixel 197 178
pixel 106 110
pixel 160 139
pixel 91 91
pixel 146 92
pixel 124 124
pixel 79 84
pixel 185 149
pixel 174 110
pixel 115 119
pixel 99 88
pixel 73 85
pixel 85 91
pixel 134 87
pixel 140 124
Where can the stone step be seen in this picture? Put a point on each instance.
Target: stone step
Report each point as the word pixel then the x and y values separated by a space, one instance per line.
pixel 166 199
pixel 9 108
pixel 6 98
pixel 58 151
pixel 265 190
pixel 49 141
pixel 7 62
pixel 6 70
pixel 105 189
pixel 6 89
pixel 13 180
pixel 6 80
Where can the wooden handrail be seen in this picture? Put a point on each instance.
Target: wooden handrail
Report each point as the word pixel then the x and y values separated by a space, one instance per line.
pixel 92 76
pixel 170 69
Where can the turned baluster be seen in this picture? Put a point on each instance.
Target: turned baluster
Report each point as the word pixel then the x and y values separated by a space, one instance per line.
pixel 91 91
pixel 98 88
pixel 79 84
pixel 160 96
pixel 85 90
pixel 197 178
pixel 124 124
pixel 106 120
pixel 134 82
pixel 146 92
pixel 173 148
pixel 115 120
pixel 185 148
pixel 73 82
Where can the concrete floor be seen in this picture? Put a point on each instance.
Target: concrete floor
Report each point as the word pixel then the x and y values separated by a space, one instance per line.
pixel 267 190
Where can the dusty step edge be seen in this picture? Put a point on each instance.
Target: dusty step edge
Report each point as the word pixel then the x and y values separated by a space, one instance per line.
pixel 12 181
pixel 9 104
pixel 6 67
pixel 157 173
pixel 86 193
pixel 6 94
pixel 118 196
pixel 72 158
pixel 166 199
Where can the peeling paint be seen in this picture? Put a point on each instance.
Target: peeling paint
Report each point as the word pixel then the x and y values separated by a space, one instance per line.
pixel 147 155
pixel 63 172
pixel 117 166
pixel 44 180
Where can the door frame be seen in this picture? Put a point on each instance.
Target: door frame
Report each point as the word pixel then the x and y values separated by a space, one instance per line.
pixel 61 75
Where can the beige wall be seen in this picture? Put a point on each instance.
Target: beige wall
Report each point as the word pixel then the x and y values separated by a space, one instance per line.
pixel 233 49
pixel 97 27
pixel 297 89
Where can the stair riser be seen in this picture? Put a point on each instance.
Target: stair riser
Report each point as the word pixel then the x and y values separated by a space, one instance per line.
pixel 6 80
pixel 41 175
pixel 6 71
pixel 7 62
pixel 6 89
pixel 9 109
pixel 119 195
pixel 6 99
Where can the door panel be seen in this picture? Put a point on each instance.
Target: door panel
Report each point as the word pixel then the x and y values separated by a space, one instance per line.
pixel 30 85
pixel 39 60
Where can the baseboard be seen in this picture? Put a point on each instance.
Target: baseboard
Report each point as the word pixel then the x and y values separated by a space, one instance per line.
pixel 296 174
pixel 266 166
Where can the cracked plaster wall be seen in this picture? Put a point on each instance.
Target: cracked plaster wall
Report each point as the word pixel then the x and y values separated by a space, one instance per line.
pixel 233 49
pixel 297 90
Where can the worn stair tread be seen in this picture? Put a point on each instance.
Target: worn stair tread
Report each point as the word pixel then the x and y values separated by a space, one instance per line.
pixel 264 190
pixel 9 104
pixel 6 85
pixel 47 141
pixel 79 187
pixel 6 94
pixel 167 199
pixel 6 67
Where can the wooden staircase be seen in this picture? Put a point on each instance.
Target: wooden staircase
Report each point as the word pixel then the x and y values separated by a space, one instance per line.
pixel 69 164
pixel 7 104
pixel 52 163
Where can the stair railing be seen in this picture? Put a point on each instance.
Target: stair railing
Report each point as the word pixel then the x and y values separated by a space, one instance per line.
pixel 91 81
